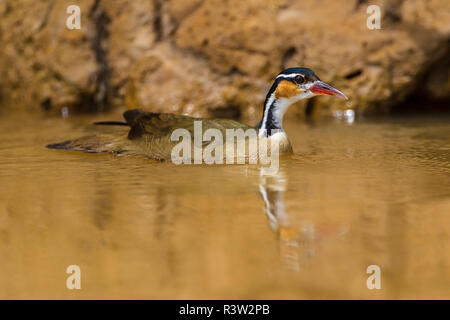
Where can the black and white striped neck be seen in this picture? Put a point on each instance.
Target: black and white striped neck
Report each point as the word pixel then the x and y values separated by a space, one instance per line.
pixel 274 110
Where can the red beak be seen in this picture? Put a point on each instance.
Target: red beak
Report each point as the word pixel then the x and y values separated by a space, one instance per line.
pixel 320 87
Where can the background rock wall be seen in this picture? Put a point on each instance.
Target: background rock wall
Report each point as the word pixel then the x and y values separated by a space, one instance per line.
pixel 218 57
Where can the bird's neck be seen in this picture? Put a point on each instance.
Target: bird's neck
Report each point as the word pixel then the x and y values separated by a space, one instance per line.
pixel 272 120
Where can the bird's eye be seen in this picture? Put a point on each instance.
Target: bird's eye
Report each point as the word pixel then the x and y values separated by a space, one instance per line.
pixel 299 79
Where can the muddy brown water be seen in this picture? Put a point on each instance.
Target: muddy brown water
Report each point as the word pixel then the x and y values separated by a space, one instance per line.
pixel 375 192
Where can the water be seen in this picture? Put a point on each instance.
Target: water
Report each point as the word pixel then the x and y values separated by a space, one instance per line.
pixel 370 193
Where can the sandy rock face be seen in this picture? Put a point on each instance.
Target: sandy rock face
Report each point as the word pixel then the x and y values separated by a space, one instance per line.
pixel 218 57
pixel 42 63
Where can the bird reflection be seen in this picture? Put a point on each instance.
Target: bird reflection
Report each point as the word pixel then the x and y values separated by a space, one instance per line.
pixel 296 238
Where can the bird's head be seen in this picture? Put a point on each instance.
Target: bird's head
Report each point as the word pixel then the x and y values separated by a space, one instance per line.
pixel 290 86
pixel 301 83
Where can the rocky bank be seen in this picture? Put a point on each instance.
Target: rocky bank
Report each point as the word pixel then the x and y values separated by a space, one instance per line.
pixel 218 57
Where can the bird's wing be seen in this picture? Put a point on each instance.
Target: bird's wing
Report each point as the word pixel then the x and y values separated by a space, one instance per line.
pixel 155 124
pixel 163 124
pixel 154 130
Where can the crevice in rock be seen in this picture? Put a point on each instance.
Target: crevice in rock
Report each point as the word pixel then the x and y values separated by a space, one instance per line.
pixel 46 104
pixel 98 101
pixel 310 106
pixel 158 20
pixel 358 3
pixel 287 56
pixel 353 74
pixel 234 71
pixel 430 93
pixel 392 12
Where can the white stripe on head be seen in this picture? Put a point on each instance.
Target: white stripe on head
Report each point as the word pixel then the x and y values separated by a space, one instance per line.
pixel 304 86
pixel 289 76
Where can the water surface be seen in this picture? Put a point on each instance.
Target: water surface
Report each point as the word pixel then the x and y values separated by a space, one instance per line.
pixel 374 192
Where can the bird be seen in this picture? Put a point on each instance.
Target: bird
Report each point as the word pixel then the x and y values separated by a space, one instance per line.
pixel 150 133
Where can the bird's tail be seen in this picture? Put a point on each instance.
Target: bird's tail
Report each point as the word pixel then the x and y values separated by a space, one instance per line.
pixel 99 143
pixel 65 145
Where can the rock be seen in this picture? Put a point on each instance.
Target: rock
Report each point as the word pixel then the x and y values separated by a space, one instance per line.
pixel 437 80
pixel 43 64
pixel 218 57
